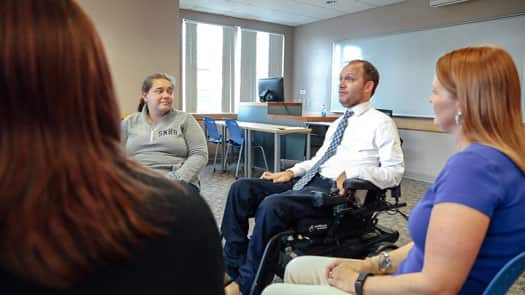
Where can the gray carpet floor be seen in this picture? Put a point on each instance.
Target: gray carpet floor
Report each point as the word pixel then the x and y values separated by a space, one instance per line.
pixel 215 188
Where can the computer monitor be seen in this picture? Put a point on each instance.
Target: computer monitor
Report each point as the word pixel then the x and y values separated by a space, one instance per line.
pixel 271 89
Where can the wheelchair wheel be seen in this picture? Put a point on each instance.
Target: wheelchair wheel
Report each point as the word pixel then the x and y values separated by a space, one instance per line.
pixel 380 247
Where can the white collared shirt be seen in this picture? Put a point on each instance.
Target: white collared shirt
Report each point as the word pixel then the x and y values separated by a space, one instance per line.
pixel 370 149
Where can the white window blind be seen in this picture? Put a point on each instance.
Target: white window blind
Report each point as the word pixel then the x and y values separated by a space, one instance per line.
pixel 189 90
pixel 248 65
pixel 276 55
pixel 228 69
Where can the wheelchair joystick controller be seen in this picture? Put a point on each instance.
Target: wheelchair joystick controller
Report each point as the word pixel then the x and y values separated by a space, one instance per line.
pixel 337 199
pixel 334 191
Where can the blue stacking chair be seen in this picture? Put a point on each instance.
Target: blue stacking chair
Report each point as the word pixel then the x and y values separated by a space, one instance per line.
pixel 213 136
pixel 236 140
pixel 506 276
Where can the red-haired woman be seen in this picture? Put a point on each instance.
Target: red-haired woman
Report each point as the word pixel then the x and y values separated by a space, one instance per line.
pixel 76 216
pixel 470 222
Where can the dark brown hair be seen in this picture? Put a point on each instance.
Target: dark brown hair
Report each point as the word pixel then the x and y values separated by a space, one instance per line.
pixel 370 72
pixel 66 203
pixel 148 83
pixel 485 81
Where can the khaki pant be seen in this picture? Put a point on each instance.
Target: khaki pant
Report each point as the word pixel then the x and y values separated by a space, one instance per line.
pixel 305 275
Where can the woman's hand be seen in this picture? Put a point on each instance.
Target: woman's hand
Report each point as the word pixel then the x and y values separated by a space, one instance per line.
pixel 343 273
pixel 277 177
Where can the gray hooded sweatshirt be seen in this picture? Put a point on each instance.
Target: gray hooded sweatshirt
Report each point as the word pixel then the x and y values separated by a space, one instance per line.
pixel 175 146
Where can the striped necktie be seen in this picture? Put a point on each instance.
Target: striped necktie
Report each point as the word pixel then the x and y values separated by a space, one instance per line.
pixel 336 139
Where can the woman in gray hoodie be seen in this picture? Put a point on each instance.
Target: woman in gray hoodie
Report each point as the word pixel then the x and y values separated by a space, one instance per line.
pixel 163 138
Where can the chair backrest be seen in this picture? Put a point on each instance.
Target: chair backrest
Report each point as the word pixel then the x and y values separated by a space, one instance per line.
pixel 211 129
pixel 506 276
pixel 235 132
pixel 386 112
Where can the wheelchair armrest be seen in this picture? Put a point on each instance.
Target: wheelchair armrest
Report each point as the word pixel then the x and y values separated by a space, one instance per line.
pixel 319 198
pixel 359 184
pixel 328 200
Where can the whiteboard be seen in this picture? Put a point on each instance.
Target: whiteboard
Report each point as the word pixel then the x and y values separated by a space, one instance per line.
pixel 406 61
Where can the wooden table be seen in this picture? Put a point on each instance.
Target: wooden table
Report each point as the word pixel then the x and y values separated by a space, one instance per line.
pixel 277 131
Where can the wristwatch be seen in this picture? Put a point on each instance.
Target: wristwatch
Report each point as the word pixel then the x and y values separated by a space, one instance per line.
pixel 359 283
pixel 384 263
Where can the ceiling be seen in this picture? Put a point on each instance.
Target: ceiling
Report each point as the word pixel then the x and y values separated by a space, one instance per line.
pixel 285 12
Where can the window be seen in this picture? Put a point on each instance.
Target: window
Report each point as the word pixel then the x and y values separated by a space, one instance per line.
pixel 209 68
pixel 221 65
pixel 269 56
pixel 262 52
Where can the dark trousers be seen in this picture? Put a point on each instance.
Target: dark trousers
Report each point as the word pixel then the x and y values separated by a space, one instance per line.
pixel 274 211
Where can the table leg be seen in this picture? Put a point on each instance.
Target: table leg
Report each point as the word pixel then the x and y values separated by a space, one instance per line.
pixel 248 153
pixel 276 152
pixel 223 148
pixel 308 147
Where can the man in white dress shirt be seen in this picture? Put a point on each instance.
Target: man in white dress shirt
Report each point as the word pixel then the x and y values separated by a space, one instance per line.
pixel 366 146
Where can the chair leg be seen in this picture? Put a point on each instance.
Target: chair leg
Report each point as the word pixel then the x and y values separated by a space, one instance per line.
pixel 264 158
pixel 215 158
pixel 239 160
pixel 226 158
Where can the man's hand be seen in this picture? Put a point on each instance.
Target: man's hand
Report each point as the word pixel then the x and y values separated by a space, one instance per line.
pixel 277 177
pixel 339 183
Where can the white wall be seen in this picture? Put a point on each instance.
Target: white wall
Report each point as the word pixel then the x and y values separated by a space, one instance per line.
pixel 425 152
pixel 140 38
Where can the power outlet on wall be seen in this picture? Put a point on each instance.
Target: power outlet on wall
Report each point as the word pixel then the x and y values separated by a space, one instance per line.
pixel 302 96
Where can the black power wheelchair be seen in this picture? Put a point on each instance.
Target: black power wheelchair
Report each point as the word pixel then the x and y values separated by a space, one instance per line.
pixel 352 231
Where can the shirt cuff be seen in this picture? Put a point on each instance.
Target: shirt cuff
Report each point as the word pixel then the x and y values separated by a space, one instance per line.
pixel 173 176
pixel 297 172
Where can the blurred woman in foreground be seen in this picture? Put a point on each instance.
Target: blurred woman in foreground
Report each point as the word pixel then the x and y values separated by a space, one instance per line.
pixel 76 216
